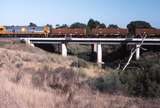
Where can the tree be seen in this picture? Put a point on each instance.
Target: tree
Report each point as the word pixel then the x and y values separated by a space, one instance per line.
pixel 31 24
pixel 113 26
pixel 91 24
pixel 57 25
pixel 132 26
pixel 78 25
pixel 95 24
pixel 102 25
pixel 61 26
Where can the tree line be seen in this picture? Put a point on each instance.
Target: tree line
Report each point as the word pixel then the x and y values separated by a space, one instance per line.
pixel 97 24
pixel 90 25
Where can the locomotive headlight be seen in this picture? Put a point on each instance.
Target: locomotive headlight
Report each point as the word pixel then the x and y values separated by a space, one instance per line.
pixel 23 29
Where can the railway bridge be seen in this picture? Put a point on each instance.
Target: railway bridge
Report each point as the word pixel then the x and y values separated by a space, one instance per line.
pixel 96 42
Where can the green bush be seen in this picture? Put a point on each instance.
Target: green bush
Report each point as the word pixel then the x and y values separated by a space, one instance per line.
pixel 61 79
pixel 109 83
pixel 144 79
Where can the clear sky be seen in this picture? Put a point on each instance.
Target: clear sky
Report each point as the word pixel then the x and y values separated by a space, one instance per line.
pixel 41 12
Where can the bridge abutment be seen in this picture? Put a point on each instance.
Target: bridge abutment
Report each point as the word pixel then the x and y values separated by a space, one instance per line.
pixel 64 50
pixel 28 42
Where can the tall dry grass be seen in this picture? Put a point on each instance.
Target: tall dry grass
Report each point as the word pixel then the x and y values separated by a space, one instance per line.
pixel 17 90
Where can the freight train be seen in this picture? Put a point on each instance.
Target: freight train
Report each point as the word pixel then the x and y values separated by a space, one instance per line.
pixel 77 32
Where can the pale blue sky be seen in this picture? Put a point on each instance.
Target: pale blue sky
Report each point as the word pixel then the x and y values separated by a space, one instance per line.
pixel 121 12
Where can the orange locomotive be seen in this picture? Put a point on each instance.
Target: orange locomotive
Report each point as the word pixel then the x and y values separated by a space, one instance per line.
pixel 2 30
pixel 24 31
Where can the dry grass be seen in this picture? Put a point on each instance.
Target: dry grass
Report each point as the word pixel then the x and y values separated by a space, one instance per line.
pixel 16 95
pixel 17 68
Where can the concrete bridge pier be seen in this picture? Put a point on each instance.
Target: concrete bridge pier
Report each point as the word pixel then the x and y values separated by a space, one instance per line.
pixel 137 52
pixel 99 54
pixel 64 50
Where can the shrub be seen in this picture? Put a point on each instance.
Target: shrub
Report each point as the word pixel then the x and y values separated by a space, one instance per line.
pixel 80 63
pixel 144 80
pixel 108 83
pixel 38 78
pixel 81 72
pixel 63 79
pixel 17 77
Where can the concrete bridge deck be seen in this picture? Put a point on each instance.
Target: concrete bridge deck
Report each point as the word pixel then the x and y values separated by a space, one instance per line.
pixel 112 41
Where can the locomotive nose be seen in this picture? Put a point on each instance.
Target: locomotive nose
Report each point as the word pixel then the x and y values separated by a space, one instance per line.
pixel 2 29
